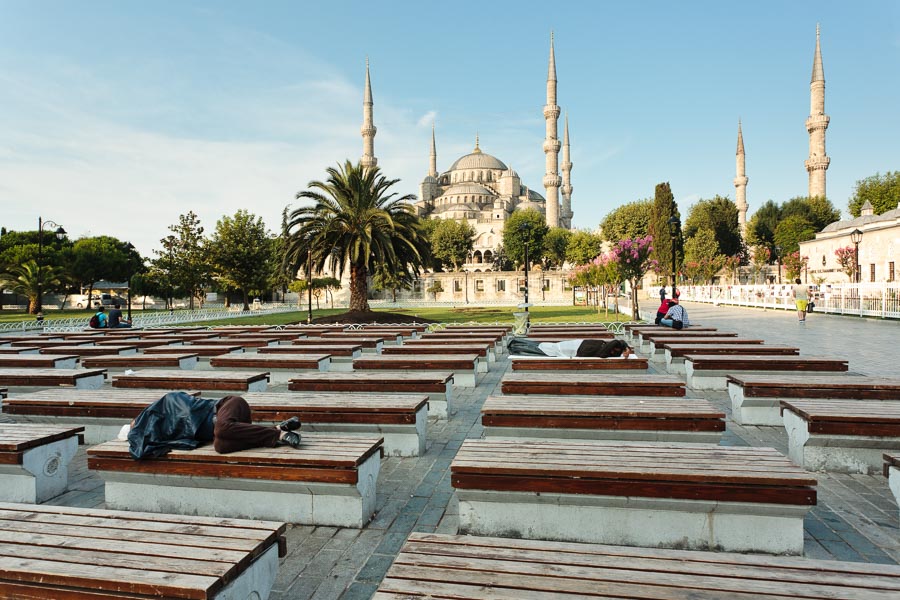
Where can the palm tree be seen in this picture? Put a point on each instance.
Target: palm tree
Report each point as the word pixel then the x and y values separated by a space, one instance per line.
pixel 355 222
pixel 28 280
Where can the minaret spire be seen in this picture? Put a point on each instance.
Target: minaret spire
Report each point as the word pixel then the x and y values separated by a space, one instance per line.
pixel 816 124
pixel 432 170
pixel 368 129
pixel 566 167
pixel 740 183
pixel 552 180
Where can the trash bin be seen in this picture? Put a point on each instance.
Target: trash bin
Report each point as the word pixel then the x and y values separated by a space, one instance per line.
pixel 520 323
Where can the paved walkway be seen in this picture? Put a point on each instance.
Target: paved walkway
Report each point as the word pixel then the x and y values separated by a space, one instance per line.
pixel 856 518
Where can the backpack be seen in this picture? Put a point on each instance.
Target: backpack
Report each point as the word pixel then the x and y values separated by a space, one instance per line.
pixel 94 323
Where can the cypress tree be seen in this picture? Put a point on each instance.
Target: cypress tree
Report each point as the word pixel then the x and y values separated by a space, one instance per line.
pixel 664 208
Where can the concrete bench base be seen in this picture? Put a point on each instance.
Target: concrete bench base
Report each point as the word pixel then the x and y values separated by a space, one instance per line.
pixel 835 453
pixel 631 521
pixel 627 435
pixel 285 375
pixel 43 474
pixel 711 379
pixel 334 505
pixel 256 581
pixel 754 410
pixel 342 364
pixel 894 482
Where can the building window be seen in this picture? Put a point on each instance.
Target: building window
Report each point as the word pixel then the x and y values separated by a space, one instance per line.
pixel 417 286
pixel 546 285
pixel 479 285
pixel 890 271
pixel 501 285
pixel 566 285
pixel 457 285
pixel 521 282
pixel 871 273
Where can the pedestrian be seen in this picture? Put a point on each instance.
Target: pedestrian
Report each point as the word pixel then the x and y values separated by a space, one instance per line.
pixel 662 294
pixel 662 310
pixel 800 294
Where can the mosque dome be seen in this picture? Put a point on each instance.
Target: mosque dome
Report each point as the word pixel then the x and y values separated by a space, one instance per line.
pixel 478 160
pixel 430 179
pixel 468 188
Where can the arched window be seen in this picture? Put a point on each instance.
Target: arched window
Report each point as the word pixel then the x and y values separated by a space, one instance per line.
pixel 488 257
pixel 476 257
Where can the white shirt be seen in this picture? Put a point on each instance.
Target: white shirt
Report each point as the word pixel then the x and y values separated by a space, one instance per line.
pixel 565 348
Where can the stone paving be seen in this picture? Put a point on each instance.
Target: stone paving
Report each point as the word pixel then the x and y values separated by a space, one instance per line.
pixel 856 518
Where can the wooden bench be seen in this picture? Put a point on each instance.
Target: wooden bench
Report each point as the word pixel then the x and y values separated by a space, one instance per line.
pixel 645 337
pixel 6 350
pixel 710 372
pixel 559 336
pixel 674 352
pixel 370 344
pixel 756 399
pixel 892 472
pixel 280 367
pixel 566 384
pixel 485 352
pixel 175 360
pixel 498 339
pixel 163 379
pixel 427 342
pixel 401 419
pixel 34 460
pixel 342 355
pixel 578 364
pixel 47 343
pixel 90 350
pixel 631 331
pixel 101 412
pixel 63 552
pixel 138 343
pixel 657 345
pixel 438 386
pixel 700 496
pixel 245 341
pixel 200 350
pixel 328 481
pixel 432 565
pixel 392 332
pixel 463 366
pixel 842 436
pixel 598 418
pixel 42 361
pixel 85 379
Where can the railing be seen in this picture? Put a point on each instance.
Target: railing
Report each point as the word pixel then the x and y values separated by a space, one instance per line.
pixel 857 299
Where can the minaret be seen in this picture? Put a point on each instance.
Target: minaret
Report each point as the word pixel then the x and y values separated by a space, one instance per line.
pixel 552 180
pixel 816 124
pixel 432 169
pixel 368 130
pixel 740 184
pixel 566 215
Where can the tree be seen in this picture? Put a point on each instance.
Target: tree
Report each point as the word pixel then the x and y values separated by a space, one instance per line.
pixel 760 257
pixel 329 284
pixel 524 225
pixel 664 208
pixel 702 252
pixel 185 257
pixel 145 284
pixel 501 260
pixel 846 258
pixel 794 264
pixel 720 216
pixel 628 221
pixel 435 288
pixel 452 241
pixel 791 231
pixel 385 279
pixel 583 247
pixel 881 191
pixel 820 212
pixel 239 250
pixel 356 222
pixel 28 280
pixel 556 244
pixel 761 227
pixel 633 259
pixel 103 257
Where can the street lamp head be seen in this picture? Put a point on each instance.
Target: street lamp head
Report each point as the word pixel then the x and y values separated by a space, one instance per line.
pixel 674 224
pixel 60 233
pixel 856 236
pixel 777 251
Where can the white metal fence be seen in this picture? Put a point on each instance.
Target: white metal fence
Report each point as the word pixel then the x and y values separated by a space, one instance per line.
pixel 858 299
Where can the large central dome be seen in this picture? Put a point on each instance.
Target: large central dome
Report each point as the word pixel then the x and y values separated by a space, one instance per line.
pixel 477 160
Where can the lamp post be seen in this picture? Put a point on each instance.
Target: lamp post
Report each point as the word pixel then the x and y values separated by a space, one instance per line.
pixel 674 228
pixel 778 260
pixel 130 248
pixel 526 229
pixel 309 284
pixel 466 271
pixel 60 234
pixel 856 238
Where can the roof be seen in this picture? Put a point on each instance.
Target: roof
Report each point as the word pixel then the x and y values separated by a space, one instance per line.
pixel 468 188
pixel 891 215
pixel 477 160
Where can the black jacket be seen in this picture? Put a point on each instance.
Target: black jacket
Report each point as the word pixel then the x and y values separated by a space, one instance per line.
pixel 177 421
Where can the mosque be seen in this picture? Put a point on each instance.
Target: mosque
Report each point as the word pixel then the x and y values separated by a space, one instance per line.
pixel 482 190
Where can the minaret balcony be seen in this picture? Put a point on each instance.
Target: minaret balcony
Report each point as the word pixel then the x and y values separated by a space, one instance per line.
pixel 820 163
pixel 551 146
pixel 552 181
pixel 368 131
pixel 551 111
pixel 817 122
pixel 739 181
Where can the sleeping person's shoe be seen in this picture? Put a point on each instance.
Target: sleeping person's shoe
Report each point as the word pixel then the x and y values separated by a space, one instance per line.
pixel 289 438
pixel 290 425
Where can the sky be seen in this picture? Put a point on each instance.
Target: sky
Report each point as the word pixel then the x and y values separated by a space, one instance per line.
pixel 117 117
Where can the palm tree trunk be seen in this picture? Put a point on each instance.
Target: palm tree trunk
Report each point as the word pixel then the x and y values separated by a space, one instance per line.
pixel 359 288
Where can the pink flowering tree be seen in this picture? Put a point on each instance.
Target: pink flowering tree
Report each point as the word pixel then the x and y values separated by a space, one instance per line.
pixel 760 256
pixel 632 259
pixel 846 258
pixel 794 264
pixel 597 276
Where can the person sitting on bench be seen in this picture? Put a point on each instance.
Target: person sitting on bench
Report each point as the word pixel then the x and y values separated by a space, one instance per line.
pixel 676 317
pixel 570 348
pixel 179 421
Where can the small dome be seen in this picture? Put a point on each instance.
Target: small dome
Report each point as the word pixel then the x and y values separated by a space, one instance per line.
pixel 429 179
pixel 468 188
pixel 477 160
pixel 509 173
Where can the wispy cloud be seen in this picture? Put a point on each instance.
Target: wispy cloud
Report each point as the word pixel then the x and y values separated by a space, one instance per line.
pixel 427 119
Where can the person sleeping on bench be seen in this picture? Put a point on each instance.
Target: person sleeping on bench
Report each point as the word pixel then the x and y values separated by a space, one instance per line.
pixel 570 348
pixel 179 421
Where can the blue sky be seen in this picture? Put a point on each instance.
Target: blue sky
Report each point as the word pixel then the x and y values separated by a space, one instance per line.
pixel 116 117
